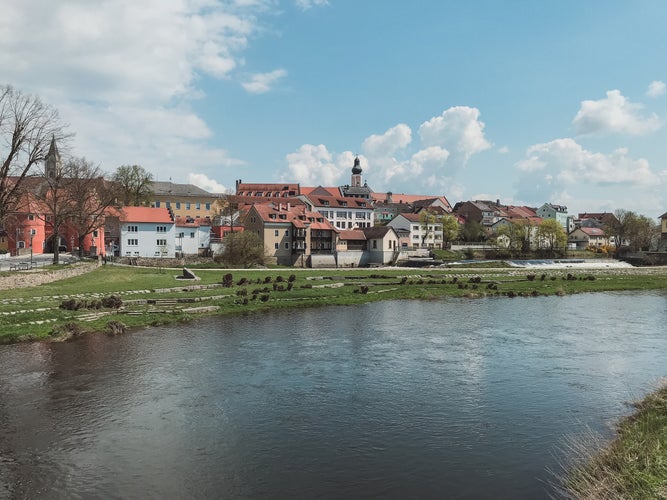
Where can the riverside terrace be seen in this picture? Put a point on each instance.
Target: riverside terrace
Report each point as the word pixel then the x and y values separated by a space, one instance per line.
pixel 150 296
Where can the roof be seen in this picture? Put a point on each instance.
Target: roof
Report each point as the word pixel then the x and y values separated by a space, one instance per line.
pixel 171 189
pixel 146 214
pixel 592 231
pixel 352 234
pixel 190 222
pixel 299 216
pixel 339 202
pixel 321 191
pixel 278 190
pixel 377 232
pixel 409 198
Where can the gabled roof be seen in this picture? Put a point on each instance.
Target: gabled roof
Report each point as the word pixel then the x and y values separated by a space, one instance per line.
pixel 339 202
pixel 146 214
pixel 298 216
pixel 351 234
pixel 171 189
pixel 592 231
pixel 410 199
pixel 190 222
pixel 377 232
pixel 320 191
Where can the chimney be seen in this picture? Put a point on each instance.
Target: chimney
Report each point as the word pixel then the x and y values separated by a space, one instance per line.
pixel 288 206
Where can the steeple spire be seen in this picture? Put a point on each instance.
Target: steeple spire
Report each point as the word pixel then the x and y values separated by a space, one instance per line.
pixel 53 163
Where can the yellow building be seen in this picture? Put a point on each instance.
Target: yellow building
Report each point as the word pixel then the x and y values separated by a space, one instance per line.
pixel 184 200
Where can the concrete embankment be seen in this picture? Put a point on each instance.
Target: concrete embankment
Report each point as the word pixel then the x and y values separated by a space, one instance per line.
pixel 24 279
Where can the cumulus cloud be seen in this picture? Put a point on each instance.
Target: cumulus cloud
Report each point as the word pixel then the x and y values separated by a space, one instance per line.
pixel 614 115
pixel 458 129
pixel 314 165
pixel 204 182
pixel 393 140
pixel 124 74
pixel 656 88
pixel 262 82
pixel 550 169
pixel 307 4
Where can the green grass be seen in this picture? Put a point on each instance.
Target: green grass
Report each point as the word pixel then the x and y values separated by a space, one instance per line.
pixel 21 308
pixel 634 465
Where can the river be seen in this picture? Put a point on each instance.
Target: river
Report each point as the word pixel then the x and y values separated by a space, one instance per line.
pixel 451 398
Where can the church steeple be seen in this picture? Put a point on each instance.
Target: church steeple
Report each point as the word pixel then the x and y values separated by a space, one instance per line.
pixel 53 163
pixel 356 173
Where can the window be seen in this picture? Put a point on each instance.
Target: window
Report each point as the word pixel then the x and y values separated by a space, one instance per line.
pixel 286 232
pixel 33 232
pixel 197 206
pixel 276 245
pixel 162 243
pixel 276 232
pixel 31 217
pixel 132 229
pixel 181 235
pixel 96 234
pixel 132 242
pixel 21 244
pixel 161 229
pixel 168 204
pixel 208 206
pixel 375 243
pixel 253 220
pixel 178 205
pixel 415 228
pixel 187 205
pixel 192 235
pixel 286 246
pixel 157 204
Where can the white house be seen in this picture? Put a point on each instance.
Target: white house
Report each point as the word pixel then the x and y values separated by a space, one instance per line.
pixel 343 213
pixel 147 232
pixel 381 244
pixel 421 235
pixel 193 236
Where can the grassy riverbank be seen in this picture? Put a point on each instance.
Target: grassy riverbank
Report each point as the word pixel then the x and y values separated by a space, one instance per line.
pixel 634 465
pixel 153 296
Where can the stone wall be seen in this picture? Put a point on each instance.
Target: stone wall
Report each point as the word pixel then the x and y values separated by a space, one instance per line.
pixel 24 279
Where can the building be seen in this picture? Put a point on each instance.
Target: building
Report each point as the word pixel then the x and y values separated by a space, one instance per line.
pixel 292 235
pixel 184 200
pixel 341 212
pixel 584 238
pixel 267 190
pixel 421 234
pixel 146 232
pixel 662 246
pixel 558 213
pixel 382 245
pixel 193 236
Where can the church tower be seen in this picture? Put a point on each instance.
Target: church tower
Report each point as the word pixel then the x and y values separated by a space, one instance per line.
pixel 356 173
pixel 53 163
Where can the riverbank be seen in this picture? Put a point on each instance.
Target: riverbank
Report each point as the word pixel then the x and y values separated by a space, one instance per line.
pixel 152 296
pixel 634 465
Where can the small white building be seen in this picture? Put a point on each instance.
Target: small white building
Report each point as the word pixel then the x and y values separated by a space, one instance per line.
pixel 147 232
pixel 193 236
pixel 421 235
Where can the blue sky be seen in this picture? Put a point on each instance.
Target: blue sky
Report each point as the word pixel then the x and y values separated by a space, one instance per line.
pixel 520 101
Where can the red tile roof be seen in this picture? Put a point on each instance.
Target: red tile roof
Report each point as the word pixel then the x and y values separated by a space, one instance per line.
pixel 146 214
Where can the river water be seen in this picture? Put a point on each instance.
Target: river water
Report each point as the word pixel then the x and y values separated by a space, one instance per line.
pixel 451 398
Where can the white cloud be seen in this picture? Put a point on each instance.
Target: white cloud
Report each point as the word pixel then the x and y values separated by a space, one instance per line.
pixel 656 88
pixel 204 182
pixel 503 150
pixel 553 169
pixel 458 130
pixel 613 115
pixel 393 140
pixel 123 73
pixel 262 82
pixel 307 4
pixel 314 165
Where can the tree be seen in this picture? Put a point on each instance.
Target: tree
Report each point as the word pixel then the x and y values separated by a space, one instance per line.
pixel 551 235
pixel 427 220
pixel 134 184
pixel 243 249
pixel 26 128
pixel 636 232
pixel 450 229
pixel 518 233
pixel 472 231
pixel 89 195
pixel 228 210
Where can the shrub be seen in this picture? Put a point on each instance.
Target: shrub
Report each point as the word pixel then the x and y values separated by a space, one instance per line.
pixel 268 279
pixel 70 328
pixel 292 278
pixel 363 289
pixel 112 302
pixel 279 279
pixel 264 297
pixel 530 277
pixel 242 281
pixel 115 328
pixel 227 280
pixel 243 292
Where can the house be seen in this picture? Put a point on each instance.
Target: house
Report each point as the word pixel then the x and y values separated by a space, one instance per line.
pixel 662 246
pixel 382 244
pixel 558 213
pixel 184 200
pixel 587 238
pixel 341 212
pixel 595 219
pixel 292 235
pixel 146 232
pixel 193 236
pixel 267 190
pixel 483 212
pixel 421 235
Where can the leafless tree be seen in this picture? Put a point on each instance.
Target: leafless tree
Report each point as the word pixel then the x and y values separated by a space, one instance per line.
pixel 26 128
pixel 89 195
pixel 134 184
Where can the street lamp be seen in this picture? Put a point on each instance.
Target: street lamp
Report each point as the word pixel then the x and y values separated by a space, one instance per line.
pixel 31 236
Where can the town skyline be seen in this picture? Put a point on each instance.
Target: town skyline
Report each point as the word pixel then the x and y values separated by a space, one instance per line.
pixel 527 104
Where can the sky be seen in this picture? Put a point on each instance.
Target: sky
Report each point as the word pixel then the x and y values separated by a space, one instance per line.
pixel 519 101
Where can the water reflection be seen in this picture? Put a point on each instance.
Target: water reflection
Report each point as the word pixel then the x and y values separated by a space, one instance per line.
pixel 459 398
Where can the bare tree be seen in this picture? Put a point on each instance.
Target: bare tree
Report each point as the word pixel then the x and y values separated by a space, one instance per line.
pixel 90 195
pixel 26 128
pixel 134 184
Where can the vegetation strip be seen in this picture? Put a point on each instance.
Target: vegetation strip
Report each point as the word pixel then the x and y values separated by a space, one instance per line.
pixel 634 465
